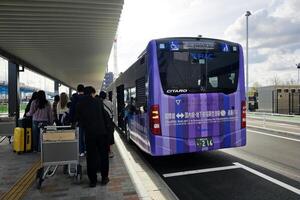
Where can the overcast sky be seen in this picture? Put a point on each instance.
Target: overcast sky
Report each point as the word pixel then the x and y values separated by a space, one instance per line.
pixel 274 30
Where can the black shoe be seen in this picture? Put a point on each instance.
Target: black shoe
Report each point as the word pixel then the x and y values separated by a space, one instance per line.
pixel 104 181
pixel 92 185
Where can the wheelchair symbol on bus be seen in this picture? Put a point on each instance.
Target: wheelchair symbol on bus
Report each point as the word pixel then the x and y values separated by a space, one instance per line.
pixel 174 46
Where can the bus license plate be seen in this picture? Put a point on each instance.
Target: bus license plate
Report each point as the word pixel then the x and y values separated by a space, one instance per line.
pixel 204 142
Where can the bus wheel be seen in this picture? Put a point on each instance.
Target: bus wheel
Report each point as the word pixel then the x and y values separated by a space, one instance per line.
pixel 127 132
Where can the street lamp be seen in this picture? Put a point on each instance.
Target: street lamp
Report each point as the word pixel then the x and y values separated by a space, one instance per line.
pixel 298 67
pixel 248 13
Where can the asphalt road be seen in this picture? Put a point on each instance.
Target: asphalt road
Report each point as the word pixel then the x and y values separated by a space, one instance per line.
pixel 267 168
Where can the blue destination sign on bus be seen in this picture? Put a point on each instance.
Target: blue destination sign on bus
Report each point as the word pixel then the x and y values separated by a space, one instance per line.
pixel 197 56
pixel 201 45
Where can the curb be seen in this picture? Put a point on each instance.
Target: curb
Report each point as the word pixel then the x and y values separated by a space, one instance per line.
pixel 148 183
pixel 127 159
pixel 275 131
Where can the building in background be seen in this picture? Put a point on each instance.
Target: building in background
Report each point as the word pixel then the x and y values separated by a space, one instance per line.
pixel 282 99
pixel 108 79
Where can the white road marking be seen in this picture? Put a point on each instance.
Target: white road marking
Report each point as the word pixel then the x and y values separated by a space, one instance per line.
pixel 273 180
pixel 289 125
pixel 277 136
pixel 200 171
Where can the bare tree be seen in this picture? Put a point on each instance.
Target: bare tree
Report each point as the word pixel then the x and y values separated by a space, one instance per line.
pixel 291 82
pixel 275 80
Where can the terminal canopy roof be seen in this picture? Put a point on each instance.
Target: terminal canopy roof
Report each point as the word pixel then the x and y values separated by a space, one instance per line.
pixel 69 40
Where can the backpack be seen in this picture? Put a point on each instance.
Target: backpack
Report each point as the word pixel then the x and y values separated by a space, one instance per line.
pixel 66 119
pixel 108 121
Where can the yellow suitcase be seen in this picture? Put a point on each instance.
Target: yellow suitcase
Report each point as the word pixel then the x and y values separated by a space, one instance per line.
pixel 19 140
pixel 22 140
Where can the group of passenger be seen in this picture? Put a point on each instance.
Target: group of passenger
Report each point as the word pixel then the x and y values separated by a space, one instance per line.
pixel 90 113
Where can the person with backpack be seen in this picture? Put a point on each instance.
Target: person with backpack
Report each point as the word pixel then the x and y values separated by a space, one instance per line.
pixel 108 107
pixel 41 113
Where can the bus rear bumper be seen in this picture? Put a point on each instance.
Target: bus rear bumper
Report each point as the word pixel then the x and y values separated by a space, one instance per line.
pixel 162 145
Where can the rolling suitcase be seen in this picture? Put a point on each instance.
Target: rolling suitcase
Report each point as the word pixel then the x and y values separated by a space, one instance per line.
pixel 26 123
pixel 22 140
pixel 19 140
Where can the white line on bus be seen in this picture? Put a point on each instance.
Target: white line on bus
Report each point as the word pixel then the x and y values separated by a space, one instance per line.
pixel 273 180
pixel 199 171
pixel 277 136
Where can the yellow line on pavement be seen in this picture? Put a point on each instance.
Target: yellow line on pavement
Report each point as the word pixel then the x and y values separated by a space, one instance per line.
pixel 18 190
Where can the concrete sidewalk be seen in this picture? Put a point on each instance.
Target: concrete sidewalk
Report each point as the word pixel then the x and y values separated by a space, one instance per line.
pixel 14 167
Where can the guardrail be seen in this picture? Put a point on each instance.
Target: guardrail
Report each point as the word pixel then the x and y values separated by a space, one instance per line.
pixel 271 114
pixel 291 119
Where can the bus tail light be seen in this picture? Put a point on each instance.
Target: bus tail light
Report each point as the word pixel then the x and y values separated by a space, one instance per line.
pixel 155 120
pixel 244 110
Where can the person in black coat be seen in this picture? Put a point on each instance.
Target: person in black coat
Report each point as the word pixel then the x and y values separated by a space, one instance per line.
pixel 91 116
pixel 75 99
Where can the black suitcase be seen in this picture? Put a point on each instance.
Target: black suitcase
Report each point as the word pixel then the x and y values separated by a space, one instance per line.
pixel 25 122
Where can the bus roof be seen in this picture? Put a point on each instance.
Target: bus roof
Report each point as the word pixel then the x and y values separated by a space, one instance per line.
pixel 194 38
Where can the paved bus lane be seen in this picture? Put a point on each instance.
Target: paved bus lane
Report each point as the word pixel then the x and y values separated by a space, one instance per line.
pixel 217 175
pixel 233 184
pixel 274 151
pixel 266 168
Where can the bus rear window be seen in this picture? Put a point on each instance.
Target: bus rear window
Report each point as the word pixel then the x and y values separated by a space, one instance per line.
pixel 198 71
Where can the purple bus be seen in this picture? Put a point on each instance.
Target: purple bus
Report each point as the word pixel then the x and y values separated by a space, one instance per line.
pixel 183 95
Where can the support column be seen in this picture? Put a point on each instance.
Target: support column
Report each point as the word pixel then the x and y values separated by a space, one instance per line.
pixel 70 93
pixel 56 87
pixel 13 90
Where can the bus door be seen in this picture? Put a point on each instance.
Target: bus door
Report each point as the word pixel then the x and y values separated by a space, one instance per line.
pixel 120 106
pixel 141 106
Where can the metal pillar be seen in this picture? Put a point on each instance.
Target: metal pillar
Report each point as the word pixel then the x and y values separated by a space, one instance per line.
pixel 248 13
pixel 70 93
pixel 56 87
pixel 298 67
pixel 13 90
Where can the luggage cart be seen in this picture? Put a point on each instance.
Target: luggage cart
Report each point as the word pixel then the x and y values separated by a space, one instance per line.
pixel 59 146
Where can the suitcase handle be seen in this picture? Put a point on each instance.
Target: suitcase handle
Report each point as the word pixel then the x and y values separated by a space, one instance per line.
pixel 56 127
